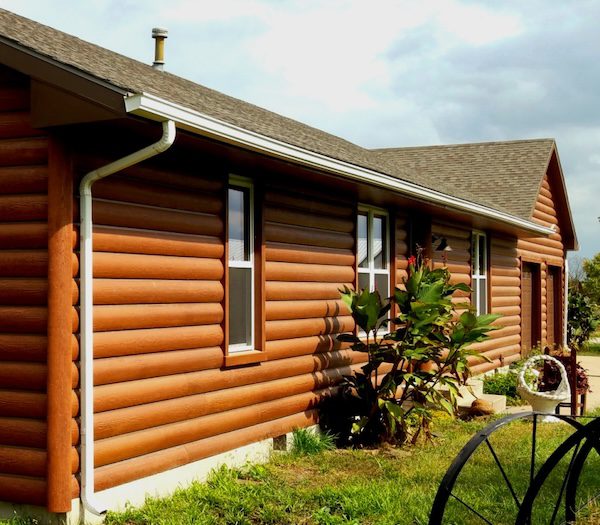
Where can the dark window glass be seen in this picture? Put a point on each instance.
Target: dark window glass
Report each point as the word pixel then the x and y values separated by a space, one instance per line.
pixel 240 307
pixel 482 255
pixel 363 281
pixel 382 285
pixel 379 255
pixel 482 296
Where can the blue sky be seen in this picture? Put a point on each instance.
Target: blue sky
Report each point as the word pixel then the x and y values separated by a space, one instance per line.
pixel 385 73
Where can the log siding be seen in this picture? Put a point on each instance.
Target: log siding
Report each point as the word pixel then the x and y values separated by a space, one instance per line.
pixel 24 153
pixel 545 252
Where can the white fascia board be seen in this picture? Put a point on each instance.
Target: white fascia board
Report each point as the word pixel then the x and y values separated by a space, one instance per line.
pixel 155 108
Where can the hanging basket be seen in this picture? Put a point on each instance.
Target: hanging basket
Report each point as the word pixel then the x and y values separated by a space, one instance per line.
pixel 544 401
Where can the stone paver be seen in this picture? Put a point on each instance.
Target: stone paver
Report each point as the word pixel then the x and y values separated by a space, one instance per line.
pixel 592 364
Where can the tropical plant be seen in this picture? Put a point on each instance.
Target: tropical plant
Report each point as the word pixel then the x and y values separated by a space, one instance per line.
pixel 417 358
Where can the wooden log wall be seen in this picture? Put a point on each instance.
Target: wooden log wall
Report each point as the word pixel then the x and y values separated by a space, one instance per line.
pixel 458 259
pixel 402 249
pixel 23 299
pixel 545 251
pixel 504 344
pixel 162 395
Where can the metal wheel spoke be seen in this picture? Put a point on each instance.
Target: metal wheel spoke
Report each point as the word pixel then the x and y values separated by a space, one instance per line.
pixel 508 484
pixel 564 482
pixel 533 443
pixel 471 509
pixel 538 470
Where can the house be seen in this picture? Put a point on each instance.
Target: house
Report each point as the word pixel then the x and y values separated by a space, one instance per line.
pixel 170 260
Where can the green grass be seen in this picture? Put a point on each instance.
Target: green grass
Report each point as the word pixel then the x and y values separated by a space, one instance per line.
pixel 353 487
pixel 590 349
pixel 306 442
pixel 389 486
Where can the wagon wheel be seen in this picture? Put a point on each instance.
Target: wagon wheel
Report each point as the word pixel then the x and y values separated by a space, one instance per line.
pixel 576 448
pixel 513 485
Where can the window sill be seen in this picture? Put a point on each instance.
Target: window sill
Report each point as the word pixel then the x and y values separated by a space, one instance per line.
pixel 244 358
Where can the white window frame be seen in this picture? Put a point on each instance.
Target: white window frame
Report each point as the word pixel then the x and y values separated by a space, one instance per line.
pixel 477 275
pixel 371 212
pixel 237 181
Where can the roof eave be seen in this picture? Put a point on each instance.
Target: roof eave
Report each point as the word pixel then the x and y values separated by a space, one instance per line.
pixel 574 244
pixel 155 108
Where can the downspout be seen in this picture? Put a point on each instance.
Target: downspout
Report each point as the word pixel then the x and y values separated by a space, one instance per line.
pixel 88 497
pixel 566 303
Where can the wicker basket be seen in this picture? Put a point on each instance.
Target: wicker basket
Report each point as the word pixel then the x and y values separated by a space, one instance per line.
pixel 544 402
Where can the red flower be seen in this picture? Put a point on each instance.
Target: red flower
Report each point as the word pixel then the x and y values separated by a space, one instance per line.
pixel 412 260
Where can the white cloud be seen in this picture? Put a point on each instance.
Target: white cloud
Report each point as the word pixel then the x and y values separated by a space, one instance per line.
pixel 384 73
pixel 474 24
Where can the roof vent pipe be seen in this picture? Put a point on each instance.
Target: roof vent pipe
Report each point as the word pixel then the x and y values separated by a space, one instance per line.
pixel 159 34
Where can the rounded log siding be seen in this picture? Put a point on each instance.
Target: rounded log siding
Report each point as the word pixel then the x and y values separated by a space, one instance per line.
pixel 503 285
pixel 545 251
pixel 146 465
pixel 126 446
pixel 130 419
pixel 131 393
pixel 23 297
pixel 309 258
pixel 158 311
pixel 402 250
pixel 458 261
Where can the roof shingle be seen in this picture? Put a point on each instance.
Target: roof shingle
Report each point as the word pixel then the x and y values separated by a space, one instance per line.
pixel 502 176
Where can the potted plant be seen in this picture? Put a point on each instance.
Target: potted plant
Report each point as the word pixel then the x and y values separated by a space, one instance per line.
pixel 533 384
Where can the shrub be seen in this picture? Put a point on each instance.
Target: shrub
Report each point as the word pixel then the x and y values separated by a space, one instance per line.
pixel 427 349
pixel 503 384
pixel 305 442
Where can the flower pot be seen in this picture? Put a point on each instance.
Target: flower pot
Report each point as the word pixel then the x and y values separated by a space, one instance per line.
pixel 545 402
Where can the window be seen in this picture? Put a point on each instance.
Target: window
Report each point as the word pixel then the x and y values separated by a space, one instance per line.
pixel 240 232
pixel 373 251
pixel 479 272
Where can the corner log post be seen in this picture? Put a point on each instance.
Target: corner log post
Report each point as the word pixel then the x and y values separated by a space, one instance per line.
pixel 60 276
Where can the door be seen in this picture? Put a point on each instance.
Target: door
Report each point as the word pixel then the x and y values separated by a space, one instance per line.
pixel 553 307
pixel 530 306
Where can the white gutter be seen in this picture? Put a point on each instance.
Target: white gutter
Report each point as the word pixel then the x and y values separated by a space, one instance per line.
pixel 88 496
pixel 155 108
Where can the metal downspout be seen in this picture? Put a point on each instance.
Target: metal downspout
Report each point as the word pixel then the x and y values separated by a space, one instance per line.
pixel 88 497
pixel 566 302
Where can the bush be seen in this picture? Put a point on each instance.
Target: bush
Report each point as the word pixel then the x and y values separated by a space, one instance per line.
pixel 503 384
pixel 305 442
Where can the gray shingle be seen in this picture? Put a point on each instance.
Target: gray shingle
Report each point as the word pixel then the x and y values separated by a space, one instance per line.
pixel 502 176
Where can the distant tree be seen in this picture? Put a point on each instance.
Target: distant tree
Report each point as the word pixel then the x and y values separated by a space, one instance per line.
pixel 582 319
pixel 591 282
pixel 576 272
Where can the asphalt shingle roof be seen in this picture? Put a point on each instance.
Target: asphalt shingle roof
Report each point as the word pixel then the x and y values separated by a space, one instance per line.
pixel 502 176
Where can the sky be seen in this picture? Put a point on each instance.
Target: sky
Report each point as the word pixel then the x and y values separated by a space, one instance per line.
pixel 384 73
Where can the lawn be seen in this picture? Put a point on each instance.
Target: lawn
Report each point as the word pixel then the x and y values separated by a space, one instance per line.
pixel 592 348
pixel 389 486
pixel 366 487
